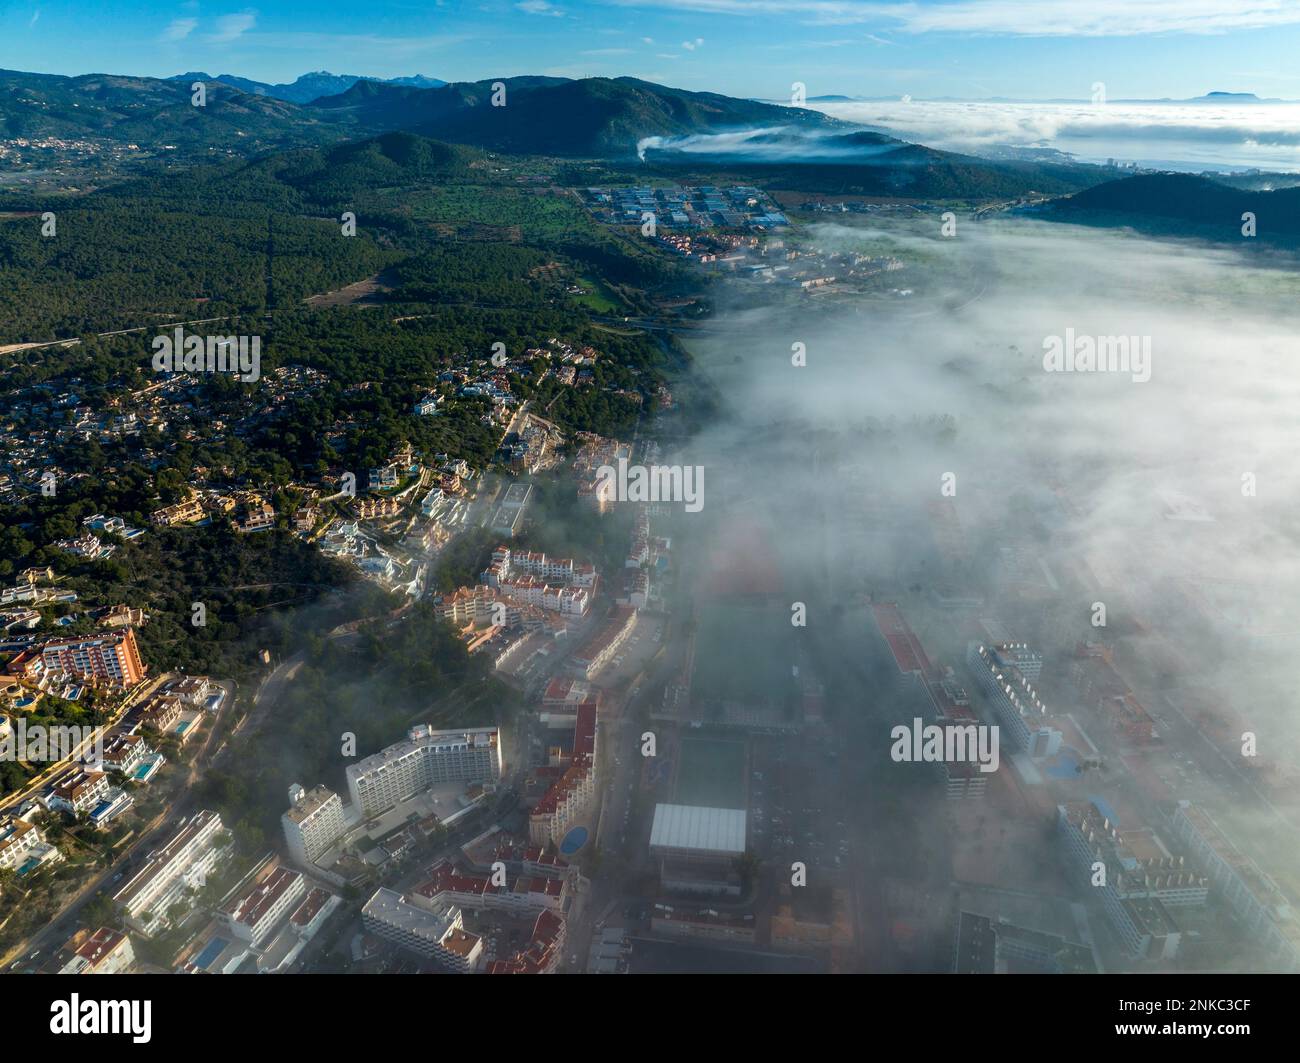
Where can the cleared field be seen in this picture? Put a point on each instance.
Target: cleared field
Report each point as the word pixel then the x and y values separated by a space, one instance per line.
pixel 536 216
pixel 368 291
pixel 597 297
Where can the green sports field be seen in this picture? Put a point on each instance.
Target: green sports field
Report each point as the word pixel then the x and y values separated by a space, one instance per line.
pixel 743 653
pixel 711 773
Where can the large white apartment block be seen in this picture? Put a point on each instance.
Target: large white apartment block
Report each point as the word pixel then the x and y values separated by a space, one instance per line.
pixel 482 604
pixel 527 589
pixel 531 563
pixel 427 758
pixel 604 642
pixel 566 801
pixel 564 805
pixel 568 601
pixel 170 873
pixel 1143 878
pixel 532 590
pixel 1019 656
pixel 314 823
pixel 477 605
pixel 258 910
pixel 523 569
pixel 435 933
pixel 311 914
pixel 1021 713
pixel 536 564
pixel 1259 904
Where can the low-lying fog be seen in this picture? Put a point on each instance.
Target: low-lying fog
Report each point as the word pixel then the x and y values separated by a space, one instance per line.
pixel 1165 135
pixel 1167 490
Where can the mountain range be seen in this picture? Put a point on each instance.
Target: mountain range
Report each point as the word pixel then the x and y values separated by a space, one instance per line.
pixel 307 87
pixel 152 115
pixel 603 117
pixel 595 118
pixel 599 117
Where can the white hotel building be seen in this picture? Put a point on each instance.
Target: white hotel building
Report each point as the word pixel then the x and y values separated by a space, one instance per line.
pixel 172 872
pixel 1258 903
pixel 427 758
pixel 314 823
pixel 437 934
pixel 1023 716
pixel 258 910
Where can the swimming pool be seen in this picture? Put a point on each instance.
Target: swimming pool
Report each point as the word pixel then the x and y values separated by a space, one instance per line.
pixel 210 952
pixel 573 841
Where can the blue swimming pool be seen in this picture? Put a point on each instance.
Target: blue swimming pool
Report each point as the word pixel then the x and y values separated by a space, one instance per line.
pixel 143 769
pixel 210 952
pixel 573 841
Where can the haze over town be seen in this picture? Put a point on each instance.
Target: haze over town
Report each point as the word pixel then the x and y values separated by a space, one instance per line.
pixel 650 487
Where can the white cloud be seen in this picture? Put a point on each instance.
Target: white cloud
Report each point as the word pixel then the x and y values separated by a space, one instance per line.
pixel 1098 18
pixel 1266 135
pixel 232 27
pixel 691 46
pixel 539 7
pixel 179 28
pixel 1024 18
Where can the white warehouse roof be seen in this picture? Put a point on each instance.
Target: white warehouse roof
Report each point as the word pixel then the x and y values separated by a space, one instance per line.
pixel 714 830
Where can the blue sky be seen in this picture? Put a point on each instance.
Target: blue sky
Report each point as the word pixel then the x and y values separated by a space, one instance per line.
pixel 1034 49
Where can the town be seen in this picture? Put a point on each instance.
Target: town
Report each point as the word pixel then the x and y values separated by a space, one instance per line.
pixel 566 523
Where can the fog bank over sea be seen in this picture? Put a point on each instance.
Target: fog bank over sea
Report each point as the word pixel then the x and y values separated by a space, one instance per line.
pixel 1178 135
